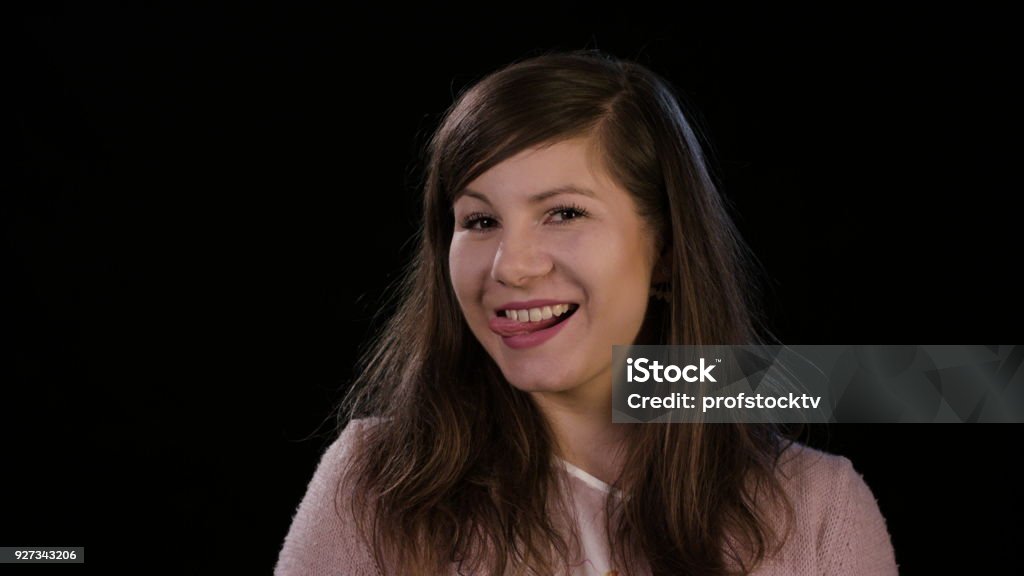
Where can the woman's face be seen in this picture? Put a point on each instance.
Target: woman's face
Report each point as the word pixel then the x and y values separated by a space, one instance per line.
pixel 545 228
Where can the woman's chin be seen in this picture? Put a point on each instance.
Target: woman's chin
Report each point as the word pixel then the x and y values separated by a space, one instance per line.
pixel 538 373
pixel 538 384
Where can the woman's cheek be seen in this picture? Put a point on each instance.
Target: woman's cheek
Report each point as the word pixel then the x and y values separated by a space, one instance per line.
pixel 456 270
pixel 468 269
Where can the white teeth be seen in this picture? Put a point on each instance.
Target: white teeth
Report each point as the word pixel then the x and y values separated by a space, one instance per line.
pixel 536 314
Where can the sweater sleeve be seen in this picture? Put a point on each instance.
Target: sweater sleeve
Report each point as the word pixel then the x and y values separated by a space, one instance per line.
pixel 320 541
pixel 860 543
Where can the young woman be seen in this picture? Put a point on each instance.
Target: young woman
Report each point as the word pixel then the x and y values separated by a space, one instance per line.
pixel 567 208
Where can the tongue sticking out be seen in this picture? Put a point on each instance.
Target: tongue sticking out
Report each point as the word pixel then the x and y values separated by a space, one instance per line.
pixel 509 327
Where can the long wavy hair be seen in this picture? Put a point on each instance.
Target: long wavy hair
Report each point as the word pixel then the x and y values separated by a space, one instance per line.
pixel 462 471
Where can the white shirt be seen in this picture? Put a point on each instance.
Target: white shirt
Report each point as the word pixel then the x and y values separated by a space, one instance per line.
pixel 588 495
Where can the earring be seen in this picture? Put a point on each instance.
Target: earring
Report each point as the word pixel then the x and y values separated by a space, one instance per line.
pixel 661 291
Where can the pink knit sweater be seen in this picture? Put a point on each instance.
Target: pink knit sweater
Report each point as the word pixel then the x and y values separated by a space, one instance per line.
pixel 839 528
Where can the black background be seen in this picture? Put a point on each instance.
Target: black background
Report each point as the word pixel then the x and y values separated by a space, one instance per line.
pixel 208 200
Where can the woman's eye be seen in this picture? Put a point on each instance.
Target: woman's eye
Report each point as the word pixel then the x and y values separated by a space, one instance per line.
pixel 568 213
pixel 470 222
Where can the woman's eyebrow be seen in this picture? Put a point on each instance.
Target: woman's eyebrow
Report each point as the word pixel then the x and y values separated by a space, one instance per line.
pixel 536 198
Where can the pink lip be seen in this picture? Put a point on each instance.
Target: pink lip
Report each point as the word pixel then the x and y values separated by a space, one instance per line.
pixel 522 305
pixel 518 335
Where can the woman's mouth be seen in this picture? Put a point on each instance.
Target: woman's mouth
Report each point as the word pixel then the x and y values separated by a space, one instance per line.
pixel 524 334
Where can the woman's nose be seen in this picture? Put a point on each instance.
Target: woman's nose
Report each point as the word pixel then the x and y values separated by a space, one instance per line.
pixel 518 260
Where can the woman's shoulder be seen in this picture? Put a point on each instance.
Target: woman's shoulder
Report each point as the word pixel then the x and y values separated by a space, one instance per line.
pixel 335 457
pixel 355 430
pixel 814 475
pixel 839 527
pixel 322 538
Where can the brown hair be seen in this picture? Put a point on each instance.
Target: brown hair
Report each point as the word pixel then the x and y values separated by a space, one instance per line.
pixel 462 470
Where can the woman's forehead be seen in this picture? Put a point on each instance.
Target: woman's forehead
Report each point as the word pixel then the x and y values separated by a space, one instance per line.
pixel 535 174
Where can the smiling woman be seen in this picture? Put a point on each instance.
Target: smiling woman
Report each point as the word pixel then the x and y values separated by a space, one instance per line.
pixel 595 255
pixel 567 208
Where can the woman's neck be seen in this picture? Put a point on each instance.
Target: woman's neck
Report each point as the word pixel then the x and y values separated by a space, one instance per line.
pixel 581 420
